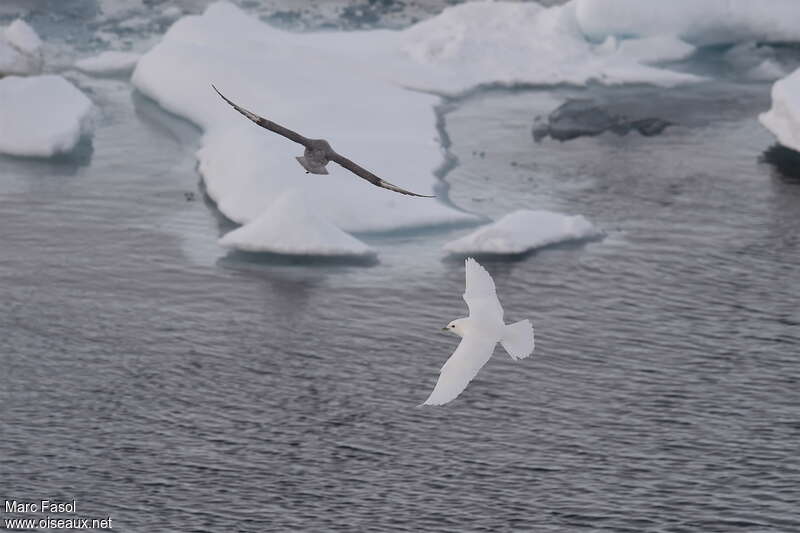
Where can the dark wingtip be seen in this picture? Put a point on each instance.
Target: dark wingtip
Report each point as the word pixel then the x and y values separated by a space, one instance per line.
pixel 220 94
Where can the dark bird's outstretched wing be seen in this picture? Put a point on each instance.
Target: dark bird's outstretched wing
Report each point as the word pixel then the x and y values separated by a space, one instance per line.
pixel 369 176
pixel 264 123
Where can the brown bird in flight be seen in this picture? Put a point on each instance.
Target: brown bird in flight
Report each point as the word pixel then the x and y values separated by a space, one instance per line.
pixel 318 152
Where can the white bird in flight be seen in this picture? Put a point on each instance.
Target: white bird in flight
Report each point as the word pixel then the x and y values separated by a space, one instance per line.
pixel 479 332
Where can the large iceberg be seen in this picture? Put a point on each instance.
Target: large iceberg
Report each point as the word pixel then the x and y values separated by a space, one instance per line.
pixel 41 115
pixel 783 118
pixel 289 227
pixel 522 231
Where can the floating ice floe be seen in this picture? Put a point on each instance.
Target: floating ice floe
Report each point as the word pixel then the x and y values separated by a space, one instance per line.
pixel 766 70
pixel 352 88
pixel 604 41
pixel 783 118
pixel 504 43
pixel 21 36
pixel 304 84
pixel 20 50
pixel 648 50
pixel 757 62
pixel 703 22
pixel 109 62
pixel 522 231
pixel 41 115
pixel 288 226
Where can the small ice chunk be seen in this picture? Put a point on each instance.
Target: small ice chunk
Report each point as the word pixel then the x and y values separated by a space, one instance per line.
pixel 656 49
pixel 22 37
pixel 645 50
pixel 289 227
pixel 172 12
pixel 767 70
pixel 109 62
pixel 41 115
pixel 9 58
pixel 522 231
pixel 757 62
pixel 20 50
pixel 783 118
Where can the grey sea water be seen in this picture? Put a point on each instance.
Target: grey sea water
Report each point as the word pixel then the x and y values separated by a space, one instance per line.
pixel 156 379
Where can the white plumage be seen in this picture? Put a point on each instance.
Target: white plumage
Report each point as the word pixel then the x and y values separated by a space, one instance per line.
pixel 479 332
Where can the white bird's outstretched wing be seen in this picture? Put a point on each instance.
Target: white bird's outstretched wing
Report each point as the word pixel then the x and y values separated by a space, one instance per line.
pixel 472 353
pixel 480 293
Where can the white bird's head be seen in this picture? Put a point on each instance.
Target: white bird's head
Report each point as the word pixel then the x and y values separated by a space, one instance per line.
pixel 456 326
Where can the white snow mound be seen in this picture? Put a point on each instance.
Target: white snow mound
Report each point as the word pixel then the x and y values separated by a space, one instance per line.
pixel 109 62
pixel 20 50
pixel 783 118
pixel 522 231
pixel 290 227
pixel 22 37
pixel 41 115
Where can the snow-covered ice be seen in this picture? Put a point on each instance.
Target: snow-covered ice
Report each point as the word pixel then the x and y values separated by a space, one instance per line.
pixel 508 43
pixel 521 231
pixel 20 50
pixel 109 62
pixel 783 118
pixel 649 50
pixel 352 88
pixel 41 115
pixel 758 63
pixel 172 12
pixel 699 22
pixel 22 37
pixel 766 70
pixel 302 83
pixel 288 226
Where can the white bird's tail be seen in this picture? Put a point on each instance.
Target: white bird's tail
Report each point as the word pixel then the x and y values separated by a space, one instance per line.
pixel 518 339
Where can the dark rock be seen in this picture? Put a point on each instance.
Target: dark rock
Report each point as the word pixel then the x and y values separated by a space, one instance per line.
pixel 785 160
pixel 584 117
